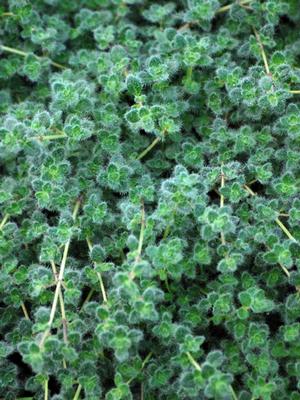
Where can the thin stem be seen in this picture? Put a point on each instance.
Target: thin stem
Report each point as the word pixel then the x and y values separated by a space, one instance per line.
pixel 3 222
pixel 76 210
pixel 246 7
pixel 77 393
pixel 48 137
pixel 222 9
pixel 222 203
pixel 58 131
pixel 102 287
pixel 141 240
pixel 25 54
pixel 229 6
pixel 277 220
pixel 184 27
pixel 167 232
pixel 62 305
pixel 24 309
pixel 150 147
pixel 219 11
pixel 198 368
pixel 167 284
pixel 234 396
pixel 222 185
pixel 263 53
pixel 294 91
pixel 285 230
pixel 168 227
pixel 142 391
pixel 61 299
pixel 189 73
pixel 249 190
pixel 285 270
pixel 20 398
pixel 56 294
pixel 146 359
pixel 143 366
pixel 13 51
pixel 59 280
pixel 57 65
pixel 142 232
pixel 7 14
pixel 281 226
pixel 54 270
pixel 223 241
pixel 46 390
pixel 193 361
pixel 88 298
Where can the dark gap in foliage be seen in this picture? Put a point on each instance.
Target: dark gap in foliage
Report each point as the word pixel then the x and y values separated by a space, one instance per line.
pixel 294 383
pixel 186 283
pixel 150 340
pixel 106 378
pixel 128 100
pixel 213 196
pixel 238 380
pixel 87 336
pixel 289 289
pixel 232 124
pixel 53 385
pixel 18 93
pixel 29 84
pixel 125 252
pixel 257 187
pixel 285 21
pixel 51 216
pixel 79 250
pixel 283 372
pixel 166 174
pixel 142 132
pixel 274 321
pixel 178 75
pixel 113 259
pixel 159 237
pixel 84 293
pixel 26 394
pixel 24 371
pixel 136 389
pixel 216 22
pixel 117 195
pixel 54 331
pixel 215 333
pixel 242 158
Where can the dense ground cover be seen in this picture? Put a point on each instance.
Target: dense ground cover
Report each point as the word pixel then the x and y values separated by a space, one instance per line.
pixel 149 199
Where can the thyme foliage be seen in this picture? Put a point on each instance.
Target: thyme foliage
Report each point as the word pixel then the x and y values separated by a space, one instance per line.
pixel 149 199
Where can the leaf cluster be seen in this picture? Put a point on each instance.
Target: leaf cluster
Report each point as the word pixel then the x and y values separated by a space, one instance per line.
pixel 149 199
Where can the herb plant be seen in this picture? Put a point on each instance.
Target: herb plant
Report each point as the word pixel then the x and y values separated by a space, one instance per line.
pixel 149 199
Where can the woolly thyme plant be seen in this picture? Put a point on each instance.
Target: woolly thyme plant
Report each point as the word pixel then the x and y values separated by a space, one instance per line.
pixel 149 199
